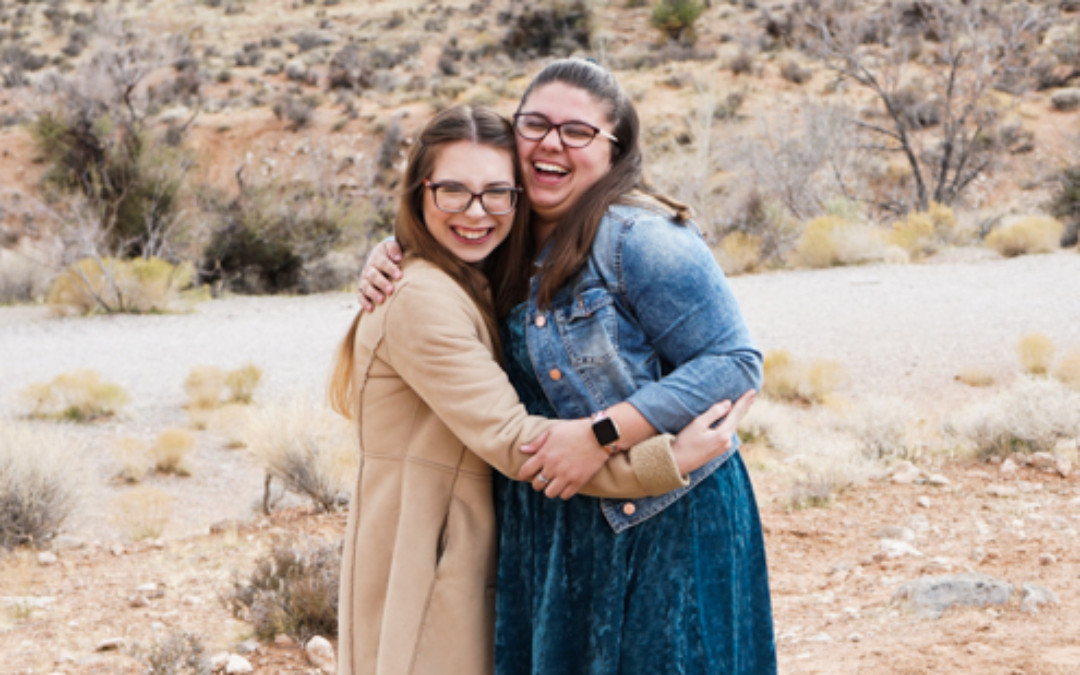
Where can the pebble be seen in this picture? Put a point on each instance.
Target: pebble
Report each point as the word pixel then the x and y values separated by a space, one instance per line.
pixel 1002 491
pixel 47 558
pixel 1043 460
pixel 894 532
pixel 855 637
pixel 1035 596
pixel 110 644
pixel 283 640
pixel 923 501
pixel 1008 467
pixel 894 548
pixel 938 480
pixel 238 664
pixel 1047 559
pixel 320 653
pixel 931 596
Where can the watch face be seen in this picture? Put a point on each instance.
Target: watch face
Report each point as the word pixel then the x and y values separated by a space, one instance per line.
pixel 606 431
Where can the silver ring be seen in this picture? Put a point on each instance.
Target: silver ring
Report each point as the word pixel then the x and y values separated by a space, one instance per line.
pixel 540 477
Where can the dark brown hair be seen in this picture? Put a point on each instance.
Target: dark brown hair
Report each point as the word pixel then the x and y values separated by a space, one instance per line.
pixel 499 270
pixel 576 230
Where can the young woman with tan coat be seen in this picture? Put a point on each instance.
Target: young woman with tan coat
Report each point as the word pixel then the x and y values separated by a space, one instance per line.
pixel 436 412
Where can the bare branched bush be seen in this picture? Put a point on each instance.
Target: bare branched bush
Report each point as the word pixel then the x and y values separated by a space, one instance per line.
pixel 945 125
pixel 292 591
pixel 142 512
pixel 1033 415
pixel 23 276
pixel 78 396
pixel 1036 352
pixel 39 481
pixel 1023 236
pixel 306 446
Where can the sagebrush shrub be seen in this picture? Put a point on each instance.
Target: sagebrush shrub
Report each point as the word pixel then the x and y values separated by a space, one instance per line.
pixel 1036 352
pixel 546 28
pixel 676 18
pixel 833 240
pixel 242 382
pixel 1033 415
pixel 39 482
pixel 204 387
pixel 1067 370
pixel 292 591
pixel 178 653
pixel 308 447
pixel 1032 234
pixel 133 456
pixel 142 512
pixel 78 396
pixel 110 285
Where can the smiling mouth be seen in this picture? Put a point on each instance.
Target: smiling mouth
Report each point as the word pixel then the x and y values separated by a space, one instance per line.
pixel 550 169
pixel 472 236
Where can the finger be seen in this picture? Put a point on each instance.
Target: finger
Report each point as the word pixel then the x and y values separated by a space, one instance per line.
pixel 379 280
pixel 538 485
pixel 535 444
pixel 569 491
pixel 554 487
pixel 530 469
pixel 714 415
pixel 738 412
pixel 393 251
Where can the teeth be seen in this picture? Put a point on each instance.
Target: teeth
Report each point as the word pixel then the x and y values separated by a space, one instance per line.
pixel 471 235
pixel 552 168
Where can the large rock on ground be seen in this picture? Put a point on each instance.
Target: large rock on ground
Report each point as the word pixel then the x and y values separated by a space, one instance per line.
pixel 930 596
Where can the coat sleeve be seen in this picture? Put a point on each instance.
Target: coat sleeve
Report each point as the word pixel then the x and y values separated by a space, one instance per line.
pixel 437 343
pixel 683 303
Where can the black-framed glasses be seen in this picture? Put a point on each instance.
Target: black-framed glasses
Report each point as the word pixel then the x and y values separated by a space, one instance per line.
pixel 456 198
pixel 573 134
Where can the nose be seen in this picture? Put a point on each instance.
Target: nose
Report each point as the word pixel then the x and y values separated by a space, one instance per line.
pixel 551 139
pixel 476 209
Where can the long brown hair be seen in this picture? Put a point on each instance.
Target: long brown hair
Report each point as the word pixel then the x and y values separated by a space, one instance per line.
pixel 499 270
pixel 623 183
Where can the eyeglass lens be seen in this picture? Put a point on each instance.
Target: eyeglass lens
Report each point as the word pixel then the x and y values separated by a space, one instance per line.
pixel 573 134
pixel 456 198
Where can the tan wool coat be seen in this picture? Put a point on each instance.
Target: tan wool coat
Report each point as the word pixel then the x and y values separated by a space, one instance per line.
pixel 436 413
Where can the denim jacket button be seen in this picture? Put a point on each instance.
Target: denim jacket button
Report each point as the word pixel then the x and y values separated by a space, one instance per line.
pixel 629 509
pixel 541 321
pixel 555 374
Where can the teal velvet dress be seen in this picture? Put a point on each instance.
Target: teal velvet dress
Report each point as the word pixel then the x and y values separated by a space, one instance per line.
pixel 686 591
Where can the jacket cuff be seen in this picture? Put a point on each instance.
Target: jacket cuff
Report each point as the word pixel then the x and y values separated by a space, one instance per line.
pixel 654 465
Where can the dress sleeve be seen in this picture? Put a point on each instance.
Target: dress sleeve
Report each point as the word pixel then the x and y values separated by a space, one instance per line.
pixel 683 303
pixel 437 343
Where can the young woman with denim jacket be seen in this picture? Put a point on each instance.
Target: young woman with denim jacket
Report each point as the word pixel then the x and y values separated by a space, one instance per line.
pixel 624 313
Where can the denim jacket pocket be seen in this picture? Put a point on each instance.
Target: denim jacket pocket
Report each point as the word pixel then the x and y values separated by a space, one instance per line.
pixel 589 327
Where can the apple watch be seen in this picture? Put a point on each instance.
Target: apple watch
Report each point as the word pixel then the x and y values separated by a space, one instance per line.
pixel 606 432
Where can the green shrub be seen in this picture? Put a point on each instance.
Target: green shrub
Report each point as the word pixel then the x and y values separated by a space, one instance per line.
pixel 292 591
pixel 676 18
pixel 38 484
pixel 79 396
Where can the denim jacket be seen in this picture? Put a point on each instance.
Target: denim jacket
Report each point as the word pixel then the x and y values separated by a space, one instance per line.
pixel 650 320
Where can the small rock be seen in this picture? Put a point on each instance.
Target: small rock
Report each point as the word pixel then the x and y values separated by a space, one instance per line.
pixel 938 480
pixel 219 661
pixel 1020 459
pixel 110 644
pixel 919 523
pixel 1035 596
pixel 1008 467
pixel 1002 491
pixel 283 640
pixel 821 637
pixel 1066 99
pixel 238 664
pixel 905 473
pixel 893 548
pixel 146 588
pixel 248 646
pixel 936 565
pixel 138 600
pixel 1064 467
pixel 66 542
pixel 931 596
pixel 46 558
pixel 923 501
pixel 894 532
pixel 117 549
pixel 855 637
pixel 1047 559
pixel 296 70
pixel 191 601
pixel 320 653
pixel 1043 460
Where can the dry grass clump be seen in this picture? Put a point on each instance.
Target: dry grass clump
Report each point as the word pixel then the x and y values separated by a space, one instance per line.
pixel 1032 234
pixel 788 379
pixel 884 428
pixel 142 512
pixel 826 464
pixel 1033 415
pixel 308 447
pixel 170 451
pixel 78 396
pixel 832 240
pixel 133 457
pixel 1067 369
pixel 292 591
pixel 1036 352
pixel 922 233
pixel 39 483
pixel 209 387
pixel 109 285
pixel 739 252
pixel 974 376
pixel 178 652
